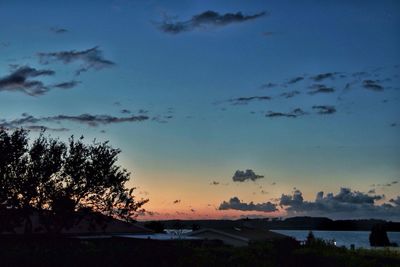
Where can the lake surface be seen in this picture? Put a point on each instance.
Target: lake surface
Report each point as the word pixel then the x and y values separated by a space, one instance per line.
pixel 343 238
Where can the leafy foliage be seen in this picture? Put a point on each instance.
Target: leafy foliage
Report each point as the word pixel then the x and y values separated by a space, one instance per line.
pixel 58 179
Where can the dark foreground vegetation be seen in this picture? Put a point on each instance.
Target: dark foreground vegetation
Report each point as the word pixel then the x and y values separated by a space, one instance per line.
pixel 41 251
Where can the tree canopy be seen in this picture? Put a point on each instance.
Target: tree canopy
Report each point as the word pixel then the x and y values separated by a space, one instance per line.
pixel 56 179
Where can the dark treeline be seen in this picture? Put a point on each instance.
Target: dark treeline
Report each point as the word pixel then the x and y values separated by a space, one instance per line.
pixel 294 223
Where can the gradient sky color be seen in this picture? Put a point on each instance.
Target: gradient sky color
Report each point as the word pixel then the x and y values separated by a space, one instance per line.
pixel 197 88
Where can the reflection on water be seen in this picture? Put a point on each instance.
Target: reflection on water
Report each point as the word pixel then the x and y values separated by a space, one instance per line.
pixel 343 238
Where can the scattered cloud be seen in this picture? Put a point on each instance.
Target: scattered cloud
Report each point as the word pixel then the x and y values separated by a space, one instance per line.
pixel 293 114
pixel 66 85
pixel 295 80
pixel 290 94
pixel 241 176
pixel 91 58
pixel 58 30
pixel 323 76
pixel 345 204
pixel 320 88
pixel 126 111
pixel 323 110
pixel 246 100
pixel 268 85
pixel 372 85
pixel 205 19
pixel 88 119
pixel 21 80
pixel 235 204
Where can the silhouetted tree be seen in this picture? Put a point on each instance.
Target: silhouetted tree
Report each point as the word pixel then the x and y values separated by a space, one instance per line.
pixel 310 238
pixel 378 236
pixel 57 179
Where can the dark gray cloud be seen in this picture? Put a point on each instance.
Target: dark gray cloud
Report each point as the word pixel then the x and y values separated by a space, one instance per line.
pixel 345 204
pixel 295 80
pixel 372 85
pixel 293 114
pixel 324 109
pixel 21 80
pixel 91 58
pixel 323 76
pixel 246 100
pixel 320 88
pixel 88 119
pixel 39 128
pixel 241 176
pixel 235 204
pixel 386 184
pixel 66 85
pixel 205 19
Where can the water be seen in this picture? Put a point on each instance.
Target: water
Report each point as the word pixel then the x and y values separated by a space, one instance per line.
pixel 343 238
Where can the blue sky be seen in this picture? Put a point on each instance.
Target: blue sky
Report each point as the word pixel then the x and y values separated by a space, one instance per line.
pixel 304 93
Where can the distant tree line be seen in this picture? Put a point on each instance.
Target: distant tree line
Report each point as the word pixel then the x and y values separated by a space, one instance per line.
pixel 56 180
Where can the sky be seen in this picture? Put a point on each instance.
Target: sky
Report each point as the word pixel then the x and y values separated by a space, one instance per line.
pixel 222 109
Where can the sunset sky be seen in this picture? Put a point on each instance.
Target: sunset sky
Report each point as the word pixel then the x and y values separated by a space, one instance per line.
pixel 304 95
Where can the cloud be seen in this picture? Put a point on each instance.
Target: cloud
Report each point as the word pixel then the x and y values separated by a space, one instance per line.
pixel 268 85
pixel 323 110
pixel 125 111
pixel 44 128
pixel 66 85
pixel 88 119
pixel 241 176
pixel 246 100
pixel 295 80
pixel 320 88
pixel 345 204
pixel 372 85
pixel 323 76
pixel 207 18
pixel 91 58
pixel 235 204
pixel 293 114
pixel 290 94
pixel 21 80
pixel 387 184
pixel 58 30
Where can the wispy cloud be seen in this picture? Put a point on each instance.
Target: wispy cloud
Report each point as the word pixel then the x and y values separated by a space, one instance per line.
pixel 88 119
pixel 293 114
pixel 324 110
pixel 21 80
pixel 91 58
pixel 58 30
pixel 372 85
pixel 320 88
pixel 205 19
pixel 66 85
